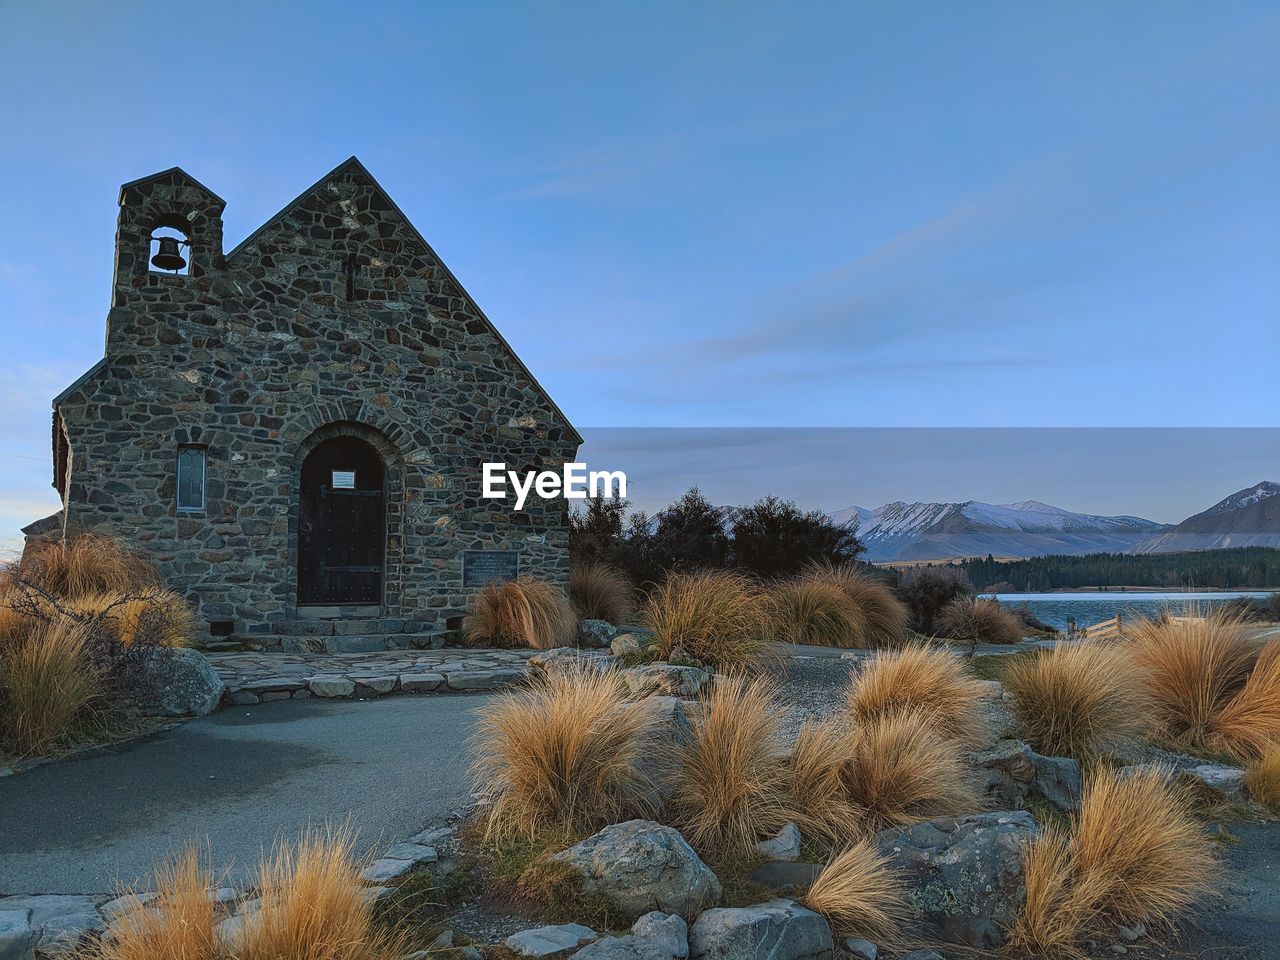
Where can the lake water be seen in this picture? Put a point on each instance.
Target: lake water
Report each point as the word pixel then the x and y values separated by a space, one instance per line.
pixel 1089 608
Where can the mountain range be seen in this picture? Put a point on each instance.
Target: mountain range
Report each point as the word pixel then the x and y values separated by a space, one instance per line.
pixel 937 531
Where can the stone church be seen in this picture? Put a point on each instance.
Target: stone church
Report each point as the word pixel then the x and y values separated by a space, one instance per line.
pixel 293 431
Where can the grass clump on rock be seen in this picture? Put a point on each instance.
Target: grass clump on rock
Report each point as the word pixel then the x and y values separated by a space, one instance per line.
pixel 836 606
pixel 560 755
pixel 929 681
pixel 717 617
pixel 979 620
pixel 1076 700
pixel 520 613
pixel 858 894
pixel 600 591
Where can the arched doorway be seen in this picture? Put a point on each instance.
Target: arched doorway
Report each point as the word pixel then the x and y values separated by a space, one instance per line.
pixel 341 524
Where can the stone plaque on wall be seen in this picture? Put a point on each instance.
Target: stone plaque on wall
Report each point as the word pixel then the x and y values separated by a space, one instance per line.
pixel 485 566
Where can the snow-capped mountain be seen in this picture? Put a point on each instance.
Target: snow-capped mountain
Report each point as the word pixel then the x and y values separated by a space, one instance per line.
pixel 936 531
pixel 1248 518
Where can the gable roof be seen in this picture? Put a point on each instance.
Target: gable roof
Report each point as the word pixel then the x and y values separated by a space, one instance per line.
pixel 171 172
pixel 353 163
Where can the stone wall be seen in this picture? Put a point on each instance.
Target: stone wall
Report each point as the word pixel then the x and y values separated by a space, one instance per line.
pixel 259 355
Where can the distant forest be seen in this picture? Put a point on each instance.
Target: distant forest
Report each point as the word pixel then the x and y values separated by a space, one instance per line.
pixel 1240 568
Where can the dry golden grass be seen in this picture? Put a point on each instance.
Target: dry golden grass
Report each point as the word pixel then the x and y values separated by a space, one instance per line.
pixel 718 617
pixel 48 685
pixel 899 770
pixel 732 786
pixel 1193 667
pixel 929 681
pixel 858 894
pixel 1077 699
pixel 884 616
pixel 86 565
pixel 600 591
pixel 1248 725
pixel 176 925
pixel 520 613
pixel 1262 777
pixel 819 803
pixel 560 755
pixel 978 620
pixel 161 613
pixel 314 906
pixel 1134 854
pixel 813 611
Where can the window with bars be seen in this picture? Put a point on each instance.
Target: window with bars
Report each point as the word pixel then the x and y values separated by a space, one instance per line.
pixel 191 470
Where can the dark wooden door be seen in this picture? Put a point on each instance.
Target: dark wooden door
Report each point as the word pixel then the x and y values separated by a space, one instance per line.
pixel 341 521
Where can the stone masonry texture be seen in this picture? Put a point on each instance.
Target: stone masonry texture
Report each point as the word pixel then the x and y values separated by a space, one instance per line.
pixel 335 318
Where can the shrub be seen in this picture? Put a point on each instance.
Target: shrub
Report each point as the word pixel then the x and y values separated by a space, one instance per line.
pixel 775 538
pixel 858 894
pixel 155 616
pixel 47 685
pixel 1031 624
pixel 1193 667
pixel 978 620
pixel 899 770
pixel 600 591
pixel 520 613
pixel 1262 777
pixel 560 755
pixel 929 681
pixel 86 565
pixel 688 535
pixel 1077 699
pixel 732 789
pixel 819 803
pixel 814 610
pixel 1134 854
pixel 926 590
pixel 178 924
pixel 717 617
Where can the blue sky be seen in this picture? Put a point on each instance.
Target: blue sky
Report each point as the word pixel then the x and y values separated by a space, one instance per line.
pixel 707 214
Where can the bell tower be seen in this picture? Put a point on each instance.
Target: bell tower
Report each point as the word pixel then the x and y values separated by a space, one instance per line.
pixel 169 233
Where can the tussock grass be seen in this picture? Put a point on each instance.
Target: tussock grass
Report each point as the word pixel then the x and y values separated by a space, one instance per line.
pixel 161 615
pixel 899 770
pixel 47 685
pixel 979 620
pixel 813 611
pixel 718 617
pixel 1077 699
pixel 732 786
pixel 885 617
pixel 520 613
pixel 929 681
pixel 1134 854
pixel 600 591
pixel 561 754
pixel 86 565
pixel 314 906
pixel 1262 777
pixel 819 803
pixel 1193 667
pixel 177 925
pixel 1248 725
pixel 858 894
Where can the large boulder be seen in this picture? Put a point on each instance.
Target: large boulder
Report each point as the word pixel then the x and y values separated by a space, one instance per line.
pixel 547 942
pixel 595 633
pixel 623 948
pixel 666 679
pixel 667 931
pixel 963 876
pixel 1011 772
pixel 641 866
pixel 180 682
pixel 774 930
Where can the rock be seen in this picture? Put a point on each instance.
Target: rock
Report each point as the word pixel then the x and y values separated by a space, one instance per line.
pixel 622 948
pixel 1011 772
pixel 420 682
pixel 924 955
pixel 642 866
pixel 785 845
pixel 16 934
pixel 784 876
pixel 989 689
pixel 628 645
pixel 666 931
pixel 1131 934
pixel 666 679
pixel 433 836
pixel 646 634
pixel 774 930
pixel 595 633
pixel 1228 781
pixel 331 686
pixel 444 939
pixel 59 924
pixel 658 761
pixel 380 871
pixel 415 853
pixel 862 949
pixel 180 683
pixel 554 941
pixel 963 875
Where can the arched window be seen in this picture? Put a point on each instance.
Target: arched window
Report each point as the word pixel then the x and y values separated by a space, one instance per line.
pixel 170 251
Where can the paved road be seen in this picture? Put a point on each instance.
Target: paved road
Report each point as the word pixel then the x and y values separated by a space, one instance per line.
pixel 232 783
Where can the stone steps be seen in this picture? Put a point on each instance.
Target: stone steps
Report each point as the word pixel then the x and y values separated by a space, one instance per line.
pixel 355 643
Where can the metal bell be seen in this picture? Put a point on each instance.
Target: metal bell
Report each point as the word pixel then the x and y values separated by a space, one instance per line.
pixel 168 257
